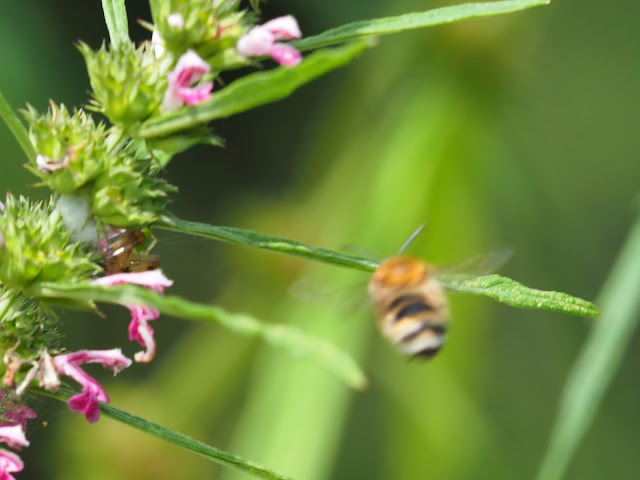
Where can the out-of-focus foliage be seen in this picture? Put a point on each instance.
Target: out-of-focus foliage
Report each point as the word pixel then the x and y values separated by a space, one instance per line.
pixel 516 131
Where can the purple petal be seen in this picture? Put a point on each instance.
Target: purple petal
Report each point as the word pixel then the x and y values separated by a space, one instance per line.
pixel 87 404
pixel 257 42
pixel 141 331
pixel 112 359
pixel 13 436
pixel 153 279
pixel 92 392
pixel 285 54
pixel 9 462
pixel 283 28
pixel 189 69
pixel 195 95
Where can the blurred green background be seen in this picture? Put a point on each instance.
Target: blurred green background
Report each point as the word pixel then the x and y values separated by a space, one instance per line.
pixel 517 131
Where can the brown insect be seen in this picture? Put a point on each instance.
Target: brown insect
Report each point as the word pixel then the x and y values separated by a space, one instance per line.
pixel 120 256
pixel 410 304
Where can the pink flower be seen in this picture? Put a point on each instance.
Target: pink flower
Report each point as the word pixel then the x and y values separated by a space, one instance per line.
pixel 13 436
pixel 92 392
pixel 189 70
pixel 14 413
pixel 9 462
pixel 14 421
pixel 139 328
pixel 261 40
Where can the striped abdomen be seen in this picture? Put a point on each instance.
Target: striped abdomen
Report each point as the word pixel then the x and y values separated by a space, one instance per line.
pixel 415 325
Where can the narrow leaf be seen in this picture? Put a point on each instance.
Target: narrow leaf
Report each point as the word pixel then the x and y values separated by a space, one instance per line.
pixel 411 21
pixel 599 360
pixel 252 91
pixel 181 440
pixel 268 242
pixel 497 287
pixel 16 127
pixel 513 293
pixel 282 336
pixel 115 16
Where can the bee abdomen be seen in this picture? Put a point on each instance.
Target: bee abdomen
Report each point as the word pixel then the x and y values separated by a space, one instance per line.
pixel 412 310
pixel 417 327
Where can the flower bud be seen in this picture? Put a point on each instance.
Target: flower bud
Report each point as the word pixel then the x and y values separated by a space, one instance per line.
pixel 208 27
pixel 128 194
pixel 37 246
pixel 25 327
pixel 70 148
pixel 128 83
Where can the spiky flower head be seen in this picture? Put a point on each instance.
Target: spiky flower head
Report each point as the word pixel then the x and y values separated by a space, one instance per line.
pixel 128 83
pixel 24 328
pixel 129 193
pixel 70 147
pixel 36 246
pixel 208 27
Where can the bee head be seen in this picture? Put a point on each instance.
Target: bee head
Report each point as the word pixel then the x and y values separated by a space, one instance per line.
pixel 398 272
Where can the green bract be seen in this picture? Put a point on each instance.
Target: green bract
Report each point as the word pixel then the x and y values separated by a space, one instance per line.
pixel 36 246
pixel 129 194
pixel 21 320
pixel 206 26
pixel 72 146
pixel 128 83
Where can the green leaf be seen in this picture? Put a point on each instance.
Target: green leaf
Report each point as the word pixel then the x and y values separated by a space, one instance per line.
pixel 252 91
pixel 176 438
pixel 497 287
pixel 282 336
pixel 411 21
pixel 16 127
pixel 599 360
pixel 282 245
pixel 115 16
pixel 513 293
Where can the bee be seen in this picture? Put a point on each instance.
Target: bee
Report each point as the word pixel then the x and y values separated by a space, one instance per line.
pixel 410 304
pixel 119 255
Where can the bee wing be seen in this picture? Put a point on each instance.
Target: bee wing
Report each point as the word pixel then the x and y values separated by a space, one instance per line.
pixel 346 298
pixel 480 264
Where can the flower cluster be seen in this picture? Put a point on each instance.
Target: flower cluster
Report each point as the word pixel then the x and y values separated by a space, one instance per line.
pixel 105 179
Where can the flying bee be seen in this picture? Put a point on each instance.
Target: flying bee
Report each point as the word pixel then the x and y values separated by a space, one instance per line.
pixel 410 303
pixel 119 255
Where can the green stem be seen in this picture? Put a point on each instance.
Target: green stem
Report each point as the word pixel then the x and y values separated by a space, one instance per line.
pixel 18 129
pixel 412 21
pixel 176 438
pixel 115 16
pixel 599 360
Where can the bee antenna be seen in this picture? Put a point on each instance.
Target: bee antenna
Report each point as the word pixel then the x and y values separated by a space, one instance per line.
pixel 411 238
